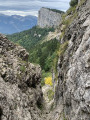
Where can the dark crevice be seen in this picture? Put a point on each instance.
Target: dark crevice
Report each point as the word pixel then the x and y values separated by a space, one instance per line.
pixel 3 76
pixel 1 113
pixel 29 84
pixel 39 103
pixel 69 37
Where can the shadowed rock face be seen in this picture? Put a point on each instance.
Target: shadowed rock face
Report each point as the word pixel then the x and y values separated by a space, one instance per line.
pixel 20 89
pixel 1 112
pixel 48 18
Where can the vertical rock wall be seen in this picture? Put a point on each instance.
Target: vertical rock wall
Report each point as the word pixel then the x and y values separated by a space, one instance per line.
pixel 72 96
pixel 48 18
pixel 73 89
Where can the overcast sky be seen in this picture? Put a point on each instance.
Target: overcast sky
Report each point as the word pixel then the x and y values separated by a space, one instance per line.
pixel 30 7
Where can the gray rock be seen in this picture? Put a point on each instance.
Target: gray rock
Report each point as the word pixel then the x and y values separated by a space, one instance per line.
pixel 20 88
pixel 48 18
pixel 73 87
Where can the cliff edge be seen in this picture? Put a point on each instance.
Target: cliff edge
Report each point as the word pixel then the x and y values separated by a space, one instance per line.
pixel 49 17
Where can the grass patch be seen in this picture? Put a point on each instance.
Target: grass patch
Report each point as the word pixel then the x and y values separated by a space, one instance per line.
pixel 23 68
pixel 68 18
pixel 81 3
pixel 70 11
pixel 0 55
pixel 62 48
pixel 50 95
pixel 55 62
pixel 64 118
pixel 62 34
pixel 52 107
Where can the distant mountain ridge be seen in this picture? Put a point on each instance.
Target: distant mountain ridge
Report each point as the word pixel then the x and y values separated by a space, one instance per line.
pixel 16 23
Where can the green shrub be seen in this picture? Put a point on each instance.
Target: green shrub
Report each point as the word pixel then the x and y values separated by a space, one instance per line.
pixel 57 11
pixel 22 68
pixel 66 21
pixel 73 3
pixel 42 82
pixel 71 10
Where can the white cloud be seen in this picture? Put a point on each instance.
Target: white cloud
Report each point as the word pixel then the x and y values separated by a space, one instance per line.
pixel 21 13
pixel 30 7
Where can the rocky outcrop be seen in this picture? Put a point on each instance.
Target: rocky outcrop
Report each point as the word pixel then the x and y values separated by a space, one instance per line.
pixel 48 18
pixel 72 95
pixel 20 90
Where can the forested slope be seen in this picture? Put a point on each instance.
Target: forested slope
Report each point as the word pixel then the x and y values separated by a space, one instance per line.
pixel 40 51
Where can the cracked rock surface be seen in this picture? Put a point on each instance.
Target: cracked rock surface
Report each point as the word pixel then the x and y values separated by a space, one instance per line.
pixel 20 89
pixel 72 95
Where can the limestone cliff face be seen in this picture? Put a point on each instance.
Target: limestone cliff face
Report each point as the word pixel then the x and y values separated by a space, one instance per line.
pixel 20 89
pixel 48 18
pixel 72 95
